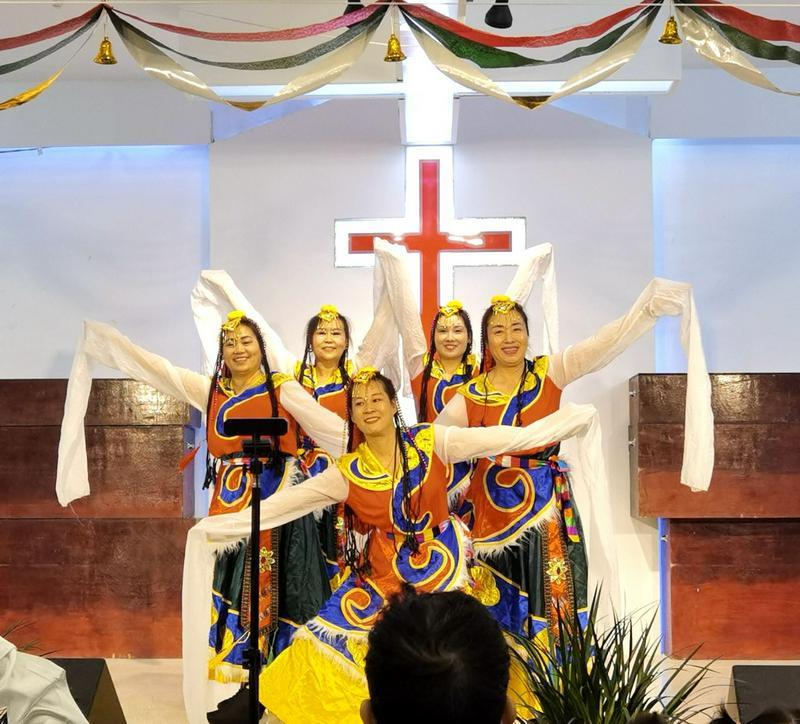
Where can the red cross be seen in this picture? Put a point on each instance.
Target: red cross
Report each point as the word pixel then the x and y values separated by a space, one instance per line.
pixel 430 240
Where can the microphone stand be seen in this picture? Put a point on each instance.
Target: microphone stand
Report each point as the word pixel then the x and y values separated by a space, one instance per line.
pixel 260 451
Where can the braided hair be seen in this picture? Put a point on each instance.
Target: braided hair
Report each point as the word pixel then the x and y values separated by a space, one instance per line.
pixel 356 558
pixel 422 407
pixel 486 357
pixel 220 371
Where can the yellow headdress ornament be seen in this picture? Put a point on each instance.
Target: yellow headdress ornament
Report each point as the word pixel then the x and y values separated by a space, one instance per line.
pixel 234 318
pixel 501 304
pixel 328 312
pixel 364 375
pixel 452 307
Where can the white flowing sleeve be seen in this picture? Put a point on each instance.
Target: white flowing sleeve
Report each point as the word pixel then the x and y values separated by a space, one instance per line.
pixel 393 259
pixel 326 427
pixel 454 413
pixel 454 444
pixel 538 263
pixel 380 345
pixel 216 294
pixel 103 344
pixel 660 297
pixel 217 533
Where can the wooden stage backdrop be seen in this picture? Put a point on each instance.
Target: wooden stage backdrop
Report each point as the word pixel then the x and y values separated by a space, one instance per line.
pixel 101 578
pixel 732 555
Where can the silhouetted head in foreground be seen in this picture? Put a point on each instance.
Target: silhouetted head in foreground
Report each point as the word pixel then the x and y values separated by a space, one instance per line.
pixel 437 657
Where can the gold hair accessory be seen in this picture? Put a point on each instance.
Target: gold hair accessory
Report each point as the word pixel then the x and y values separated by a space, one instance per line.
pixel 234 318
pixel 501 304
pixel 364 375
pixel 451 308
pixel 327 312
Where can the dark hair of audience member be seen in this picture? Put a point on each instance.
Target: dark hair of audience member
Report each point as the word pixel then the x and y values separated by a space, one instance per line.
pixel 437 657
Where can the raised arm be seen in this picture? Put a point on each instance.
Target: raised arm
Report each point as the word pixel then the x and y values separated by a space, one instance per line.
pixel 538 263
pixel 380 345
pixel 214 295
pixel 454 444
pixel 660 297
pixel 106 345
pixel 326 428
pixel 393 260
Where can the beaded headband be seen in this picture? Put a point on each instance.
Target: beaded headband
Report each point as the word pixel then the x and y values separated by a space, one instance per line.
pixel 234 318
pixel 364 375
pixel 452 307
pixel 502 304
pixel 327 312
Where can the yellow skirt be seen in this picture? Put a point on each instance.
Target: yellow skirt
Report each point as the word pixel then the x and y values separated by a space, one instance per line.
pixel 306 683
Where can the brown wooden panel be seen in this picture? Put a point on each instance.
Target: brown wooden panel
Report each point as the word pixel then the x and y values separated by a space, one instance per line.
pixel 112 402
pixel 132 473
pixel 735 587
pixel 766 397
pixel 750 459
pixel 731 495
pixel 95 587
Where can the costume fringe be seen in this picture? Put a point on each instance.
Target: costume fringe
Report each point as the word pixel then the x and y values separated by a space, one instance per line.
pixel 347 667
pixel 544 516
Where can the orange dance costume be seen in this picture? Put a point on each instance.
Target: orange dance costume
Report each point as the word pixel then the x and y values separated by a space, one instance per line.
pixel 283 604
pixel 320 677
pixel 525 527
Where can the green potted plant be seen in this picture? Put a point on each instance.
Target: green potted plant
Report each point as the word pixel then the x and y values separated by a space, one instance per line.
pixel 604 673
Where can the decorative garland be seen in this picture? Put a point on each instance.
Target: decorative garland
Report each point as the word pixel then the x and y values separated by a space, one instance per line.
pixel 720 33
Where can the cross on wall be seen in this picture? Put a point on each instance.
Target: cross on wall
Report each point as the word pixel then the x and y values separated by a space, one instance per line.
pixel 430 231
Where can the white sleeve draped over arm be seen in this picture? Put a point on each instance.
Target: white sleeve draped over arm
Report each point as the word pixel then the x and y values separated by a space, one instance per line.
pixel 454 444
pixel 216 533
pixel 380 345
pixel 660 297
pixel 214 295
pixel 393 260
pixel 325 427
pixel 538 263
pixel 106 345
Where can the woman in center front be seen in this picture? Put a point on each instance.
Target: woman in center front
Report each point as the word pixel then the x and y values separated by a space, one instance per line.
pixel 398 529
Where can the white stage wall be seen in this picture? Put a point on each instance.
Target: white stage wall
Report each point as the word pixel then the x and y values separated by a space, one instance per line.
pixel 726 221
pixel 115 234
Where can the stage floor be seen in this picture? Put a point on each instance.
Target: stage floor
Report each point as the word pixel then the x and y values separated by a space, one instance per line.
pixel 150 689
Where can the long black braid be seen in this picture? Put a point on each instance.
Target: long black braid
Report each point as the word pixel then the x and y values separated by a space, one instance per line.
pixel 357 558
pixel 220 371
pixel 422 406
pixel 487 361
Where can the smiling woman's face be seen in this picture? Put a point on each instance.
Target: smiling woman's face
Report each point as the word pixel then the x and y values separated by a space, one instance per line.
pixel 372 409
pixel 450 338
pixel 329 341
pixel 241 353
pixel 507 338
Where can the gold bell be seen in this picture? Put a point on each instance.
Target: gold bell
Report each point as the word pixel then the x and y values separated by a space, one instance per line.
pixel 670 35
pixel 105 56
pixel 394 53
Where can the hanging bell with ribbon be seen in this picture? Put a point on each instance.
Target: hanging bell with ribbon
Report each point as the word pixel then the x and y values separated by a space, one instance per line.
pixel 670 35
pixel 394 53
pixel 105 56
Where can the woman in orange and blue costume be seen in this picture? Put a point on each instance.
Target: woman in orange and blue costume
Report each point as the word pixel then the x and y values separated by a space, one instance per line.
pixel 526 530
pixel 399 530
pixel 323 371
pixel 241 385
